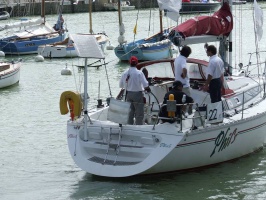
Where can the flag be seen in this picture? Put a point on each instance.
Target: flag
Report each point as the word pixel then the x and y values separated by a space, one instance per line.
pixel 258 16
pixel 135 29
pixel 172 7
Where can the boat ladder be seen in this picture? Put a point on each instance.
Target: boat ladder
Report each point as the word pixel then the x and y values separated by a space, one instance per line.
pixel 116 147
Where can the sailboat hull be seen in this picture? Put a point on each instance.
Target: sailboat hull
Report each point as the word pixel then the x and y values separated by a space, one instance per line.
pixel 66 50
pixel 199 7
pixel 27 46
pixel 144 150
pixel 145 50
pixel 9 74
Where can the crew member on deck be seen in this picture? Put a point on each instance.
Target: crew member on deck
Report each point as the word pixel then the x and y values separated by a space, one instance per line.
pixel 181 69
pixel 134 82
pixel 215 71
pixel 178 95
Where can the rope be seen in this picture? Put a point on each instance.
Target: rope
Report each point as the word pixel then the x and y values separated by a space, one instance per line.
pixel 107 79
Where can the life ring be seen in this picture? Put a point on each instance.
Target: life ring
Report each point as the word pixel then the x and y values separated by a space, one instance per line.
pixel 70 101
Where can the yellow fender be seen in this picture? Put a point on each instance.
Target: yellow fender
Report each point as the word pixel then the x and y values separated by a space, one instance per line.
pixel 66 98
pixel 171 98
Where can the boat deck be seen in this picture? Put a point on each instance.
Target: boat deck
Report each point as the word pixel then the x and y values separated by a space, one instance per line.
pixel 4 68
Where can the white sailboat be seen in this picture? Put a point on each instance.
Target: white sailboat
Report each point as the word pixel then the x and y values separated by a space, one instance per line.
pixel 65 49
pixel 24 37
pixel 125 6
pixel 102 143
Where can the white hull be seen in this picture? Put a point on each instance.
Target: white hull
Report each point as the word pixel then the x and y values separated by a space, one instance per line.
pixel 186 155
pixel 167 148
pixel 4 15
pixel 9 74
pixel 67 51
pixel 58 51
pixel 114 6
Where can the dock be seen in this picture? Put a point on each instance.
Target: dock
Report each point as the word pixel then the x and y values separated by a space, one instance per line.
pixel 19 8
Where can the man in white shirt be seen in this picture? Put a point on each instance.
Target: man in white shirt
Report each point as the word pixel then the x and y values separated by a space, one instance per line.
pixel 134 82
pixel 215 72
pixel 181 73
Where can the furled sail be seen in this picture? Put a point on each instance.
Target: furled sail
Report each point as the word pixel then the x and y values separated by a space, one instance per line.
pixel 220 23
pixel 22 24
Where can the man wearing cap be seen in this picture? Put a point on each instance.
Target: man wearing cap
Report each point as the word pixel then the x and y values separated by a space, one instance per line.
pixel 178 95
pixel 134 82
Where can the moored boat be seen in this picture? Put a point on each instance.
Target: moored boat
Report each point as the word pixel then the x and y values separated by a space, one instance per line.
pixel 125 6
pixel 4 15
pixel 199 7
pixel 102 143
pixel 9 73
pixel 155 47
pixel 65 48
pixel 24 37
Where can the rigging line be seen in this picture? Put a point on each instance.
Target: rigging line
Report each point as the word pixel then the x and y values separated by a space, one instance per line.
pixel 126 53
pixel 107 78
pixel 235 35
pixel 74 74
pixel 150 19
pixel 240 36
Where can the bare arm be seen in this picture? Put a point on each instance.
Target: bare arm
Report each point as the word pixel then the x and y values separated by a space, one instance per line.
pixel 184 73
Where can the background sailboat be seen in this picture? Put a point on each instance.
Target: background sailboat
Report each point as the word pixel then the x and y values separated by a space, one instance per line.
pixel 26 36
pixel 125 5
pixel 65 48
pixel 9 73
pixel 202 6
pixel 151 48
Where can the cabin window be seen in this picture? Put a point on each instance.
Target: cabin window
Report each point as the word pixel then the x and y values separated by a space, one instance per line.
pixel 162 70
pixel 196 71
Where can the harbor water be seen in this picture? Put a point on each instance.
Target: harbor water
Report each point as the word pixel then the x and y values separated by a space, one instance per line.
pixel 34 158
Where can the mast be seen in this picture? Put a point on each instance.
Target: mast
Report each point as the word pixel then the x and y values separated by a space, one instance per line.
pixel 121 38
pixel 85 100
pixel 119 13
pixel 161 20
pixel 43 10
pixel 90 10
pixel 230 38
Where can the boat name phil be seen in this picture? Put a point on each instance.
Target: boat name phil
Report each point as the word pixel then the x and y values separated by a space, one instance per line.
pixel 222 141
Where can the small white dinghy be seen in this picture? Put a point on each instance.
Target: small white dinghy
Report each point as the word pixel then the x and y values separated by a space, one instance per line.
pixel 65 49
pixel 4 15
pixel 9 73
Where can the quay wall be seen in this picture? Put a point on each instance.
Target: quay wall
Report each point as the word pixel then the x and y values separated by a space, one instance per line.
pixel 52 7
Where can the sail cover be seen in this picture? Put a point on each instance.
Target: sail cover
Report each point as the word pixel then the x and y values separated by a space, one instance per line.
pixel 220 23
